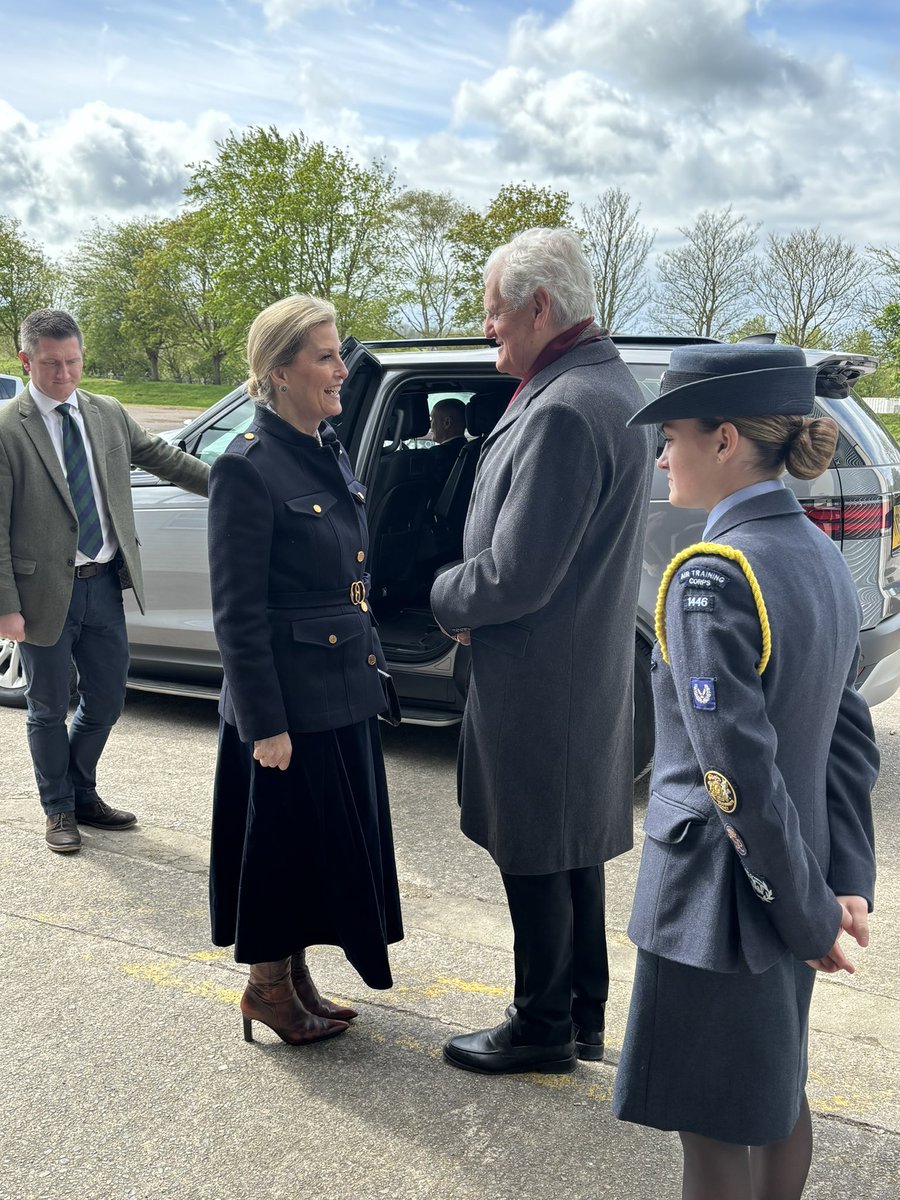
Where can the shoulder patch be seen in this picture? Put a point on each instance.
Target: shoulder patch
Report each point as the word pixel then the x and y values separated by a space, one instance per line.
pixel 698 602
pixel 701 577
pixel 712 550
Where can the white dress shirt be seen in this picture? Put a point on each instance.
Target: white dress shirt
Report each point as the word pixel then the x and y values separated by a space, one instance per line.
pixel 53 420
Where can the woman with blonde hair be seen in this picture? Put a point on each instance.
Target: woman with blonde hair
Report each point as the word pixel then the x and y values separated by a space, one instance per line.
pixel 758 852
pixel 302 852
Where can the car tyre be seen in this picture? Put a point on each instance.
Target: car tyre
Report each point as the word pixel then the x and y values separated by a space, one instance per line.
pixel 644 734
pixel 12 675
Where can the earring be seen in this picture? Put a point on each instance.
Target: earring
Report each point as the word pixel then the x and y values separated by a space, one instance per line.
pixel 283 388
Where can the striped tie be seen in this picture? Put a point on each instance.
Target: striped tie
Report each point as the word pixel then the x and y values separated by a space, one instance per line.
pixel 90 535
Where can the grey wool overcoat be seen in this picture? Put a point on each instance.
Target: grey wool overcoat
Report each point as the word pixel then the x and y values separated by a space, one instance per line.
pixel 548 586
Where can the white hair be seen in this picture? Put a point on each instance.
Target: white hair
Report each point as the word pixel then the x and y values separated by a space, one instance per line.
pixel 551 259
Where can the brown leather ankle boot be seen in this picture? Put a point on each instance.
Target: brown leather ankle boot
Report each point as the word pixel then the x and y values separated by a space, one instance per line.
pixel 270 998
pixel 309 993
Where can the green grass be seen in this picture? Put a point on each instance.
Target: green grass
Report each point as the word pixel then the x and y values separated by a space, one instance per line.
pixel 891 422
pixel 169 395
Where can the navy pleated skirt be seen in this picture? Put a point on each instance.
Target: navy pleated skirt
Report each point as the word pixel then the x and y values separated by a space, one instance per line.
pixel 305 857
pixel 721 1055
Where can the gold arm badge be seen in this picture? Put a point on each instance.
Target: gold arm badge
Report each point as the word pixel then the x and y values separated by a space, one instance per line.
pixel 720 791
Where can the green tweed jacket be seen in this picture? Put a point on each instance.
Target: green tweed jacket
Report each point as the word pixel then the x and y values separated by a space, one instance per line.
pixel 38 525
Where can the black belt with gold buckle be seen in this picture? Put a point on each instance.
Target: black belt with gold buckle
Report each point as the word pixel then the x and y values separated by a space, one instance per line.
pixel 358 594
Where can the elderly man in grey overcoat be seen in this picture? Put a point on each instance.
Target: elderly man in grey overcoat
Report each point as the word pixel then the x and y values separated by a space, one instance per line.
pixel 547 598
pixel 67 548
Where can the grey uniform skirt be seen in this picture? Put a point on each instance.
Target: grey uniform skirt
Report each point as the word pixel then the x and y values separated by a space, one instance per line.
pixel 721 1055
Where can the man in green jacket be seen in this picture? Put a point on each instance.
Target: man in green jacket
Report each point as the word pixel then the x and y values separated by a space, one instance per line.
pixel 67 549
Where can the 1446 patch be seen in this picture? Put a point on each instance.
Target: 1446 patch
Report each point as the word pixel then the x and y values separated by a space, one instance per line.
pixel 699 602
pixel 703 693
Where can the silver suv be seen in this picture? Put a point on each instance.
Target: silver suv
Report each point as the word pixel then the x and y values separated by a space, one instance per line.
pixel 416 505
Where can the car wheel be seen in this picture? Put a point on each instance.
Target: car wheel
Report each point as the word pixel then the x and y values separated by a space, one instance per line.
pixel 12 675
pixel 644 736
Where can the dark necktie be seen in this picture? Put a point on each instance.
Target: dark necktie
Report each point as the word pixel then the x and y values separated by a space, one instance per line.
pixel 90 535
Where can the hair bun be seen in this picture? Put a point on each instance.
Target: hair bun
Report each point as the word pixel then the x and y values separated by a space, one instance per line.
pixel 811 447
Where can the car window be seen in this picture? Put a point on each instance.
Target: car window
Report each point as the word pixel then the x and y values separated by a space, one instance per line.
pixel 648 376
pixel 217 436
pixel 423 443
pixel 9 387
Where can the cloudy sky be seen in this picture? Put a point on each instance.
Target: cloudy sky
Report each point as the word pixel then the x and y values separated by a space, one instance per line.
pixel 789 109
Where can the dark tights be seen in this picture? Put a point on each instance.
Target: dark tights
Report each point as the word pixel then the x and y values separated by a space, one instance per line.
pixel 723 1171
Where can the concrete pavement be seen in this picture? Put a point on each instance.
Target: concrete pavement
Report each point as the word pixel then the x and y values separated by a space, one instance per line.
pixel 125 1075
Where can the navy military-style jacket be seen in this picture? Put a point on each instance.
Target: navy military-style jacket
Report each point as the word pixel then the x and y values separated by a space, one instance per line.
pixel 288 547
pixel 759 809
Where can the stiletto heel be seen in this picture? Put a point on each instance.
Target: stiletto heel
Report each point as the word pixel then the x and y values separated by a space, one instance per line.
pixel 248 1029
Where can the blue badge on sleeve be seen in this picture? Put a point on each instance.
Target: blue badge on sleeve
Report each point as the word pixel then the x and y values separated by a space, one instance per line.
pixel 703 693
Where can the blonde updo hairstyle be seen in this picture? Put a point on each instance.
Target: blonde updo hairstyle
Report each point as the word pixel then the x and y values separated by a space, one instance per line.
pixel 277 335
pixel 802 446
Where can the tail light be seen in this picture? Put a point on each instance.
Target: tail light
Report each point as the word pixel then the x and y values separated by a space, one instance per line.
pixel 862 517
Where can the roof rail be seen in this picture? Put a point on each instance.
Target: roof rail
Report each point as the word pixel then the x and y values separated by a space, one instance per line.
pixel 631 339
pixel 426 343
pixel 652 339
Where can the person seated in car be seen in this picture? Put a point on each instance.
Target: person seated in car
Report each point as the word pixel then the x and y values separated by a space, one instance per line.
pixel 448 432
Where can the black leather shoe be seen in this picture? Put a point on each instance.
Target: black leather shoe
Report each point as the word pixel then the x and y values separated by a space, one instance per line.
pixel 62 833
pixel 491 1052
pixel 589 1044
pixel 98 812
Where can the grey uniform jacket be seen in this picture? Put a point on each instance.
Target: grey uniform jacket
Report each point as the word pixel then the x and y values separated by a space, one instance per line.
pixel 549 587
pixel 38 525
pixel 759 809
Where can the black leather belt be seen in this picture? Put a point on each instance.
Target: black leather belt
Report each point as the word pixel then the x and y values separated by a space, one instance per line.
pixel 89 570
pixel 355 594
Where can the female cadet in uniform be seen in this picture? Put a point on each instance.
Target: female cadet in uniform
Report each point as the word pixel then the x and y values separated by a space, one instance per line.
pixel 302 852
pixel 758 848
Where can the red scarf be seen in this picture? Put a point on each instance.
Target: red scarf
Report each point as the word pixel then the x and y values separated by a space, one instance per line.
pixel 556 349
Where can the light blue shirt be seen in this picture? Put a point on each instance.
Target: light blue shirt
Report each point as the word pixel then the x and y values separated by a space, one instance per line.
pixel 746 493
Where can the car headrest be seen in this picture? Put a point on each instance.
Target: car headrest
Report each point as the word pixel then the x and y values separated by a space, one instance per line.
pixel 484 410
pixel 412 408
pixel 416 415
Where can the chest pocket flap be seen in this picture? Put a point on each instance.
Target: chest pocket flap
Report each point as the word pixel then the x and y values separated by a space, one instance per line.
pixel 316 504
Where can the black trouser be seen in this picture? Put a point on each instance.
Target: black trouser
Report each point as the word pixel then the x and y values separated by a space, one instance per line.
pixel 562 969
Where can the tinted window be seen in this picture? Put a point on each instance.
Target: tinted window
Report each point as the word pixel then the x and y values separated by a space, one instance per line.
pixel 218 436
pixel 8 387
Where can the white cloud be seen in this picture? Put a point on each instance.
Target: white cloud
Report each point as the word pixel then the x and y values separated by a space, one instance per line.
pixel 686 108
pixel 279 13
pixel 697 51
pixel 98 161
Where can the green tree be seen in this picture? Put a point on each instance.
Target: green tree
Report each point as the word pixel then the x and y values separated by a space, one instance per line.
pixel 752 327
pixel 809 284
pixel 887 346
pixel 123 333
pixel 516 207
pixel 428 260
pixel 297 216
pixel 176 288
pixel 27 279
pixel 704 283
pixel 617 245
